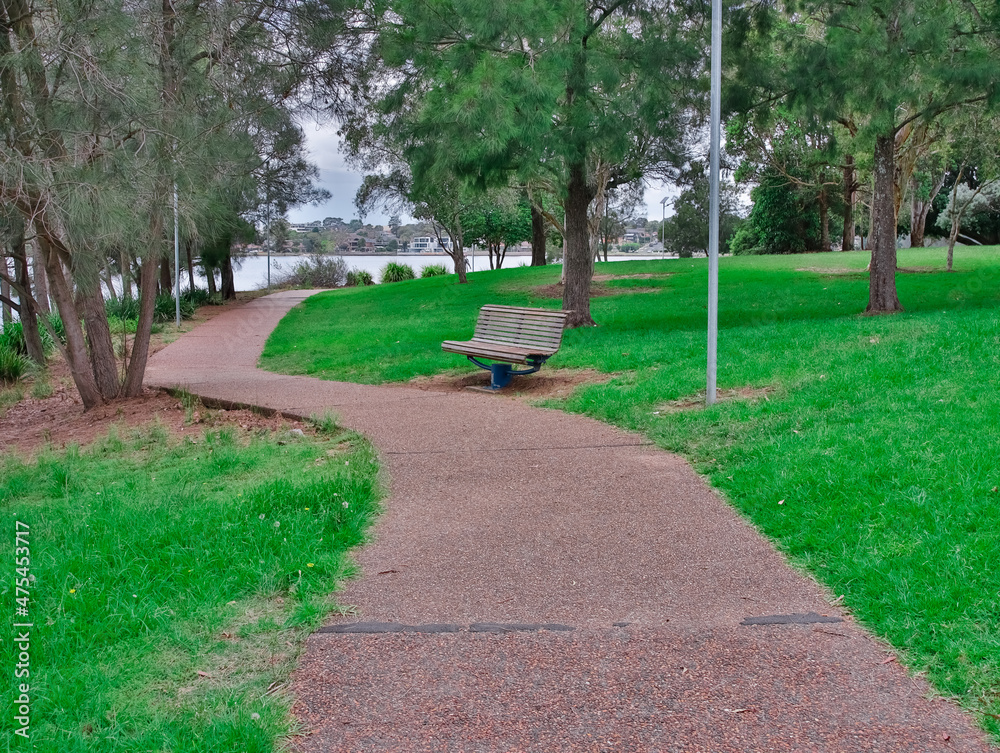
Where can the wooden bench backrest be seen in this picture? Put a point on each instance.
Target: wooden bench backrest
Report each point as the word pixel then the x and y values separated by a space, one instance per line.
pixel 527 327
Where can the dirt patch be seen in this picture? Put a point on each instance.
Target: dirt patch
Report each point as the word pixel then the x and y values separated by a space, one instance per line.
pixel 59 420
pixel 693 402
pixel 643 276
pixel 597 289
pixel 556 383
pixel 832 271
pixel 841 271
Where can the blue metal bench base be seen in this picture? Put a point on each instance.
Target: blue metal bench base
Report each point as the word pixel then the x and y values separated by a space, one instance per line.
pixel 501 374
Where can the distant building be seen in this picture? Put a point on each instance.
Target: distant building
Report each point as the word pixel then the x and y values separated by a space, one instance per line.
pixel 636 235
pixel 425 244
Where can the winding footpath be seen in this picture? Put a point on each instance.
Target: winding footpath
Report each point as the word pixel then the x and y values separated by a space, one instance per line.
pixel 544 582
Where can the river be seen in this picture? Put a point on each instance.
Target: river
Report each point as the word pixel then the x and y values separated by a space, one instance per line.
pixel 252 271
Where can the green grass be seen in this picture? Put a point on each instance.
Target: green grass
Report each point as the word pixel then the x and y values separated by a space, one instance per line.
pixel 879 434
pixel 174 582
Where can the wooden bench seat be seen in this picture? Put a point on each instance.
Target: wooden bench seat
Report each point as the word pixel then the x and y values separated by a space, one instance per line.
pixel 511 335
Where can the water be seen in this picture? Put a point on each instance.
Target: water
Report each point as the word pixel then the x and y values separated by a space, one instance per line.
pixel 252 273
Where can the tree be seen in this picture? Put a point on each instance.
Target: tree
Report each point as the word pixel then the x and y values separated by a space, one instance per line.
pixel 442 203
pixel 686 231
pixel 781 221
pixel 106 108
pixel 880 65
pixel 534 89
pixel 500 219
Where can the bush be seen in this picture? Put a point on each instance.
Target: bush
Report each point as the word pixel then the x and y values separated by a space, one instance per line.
pixel 12 365
pixel 393 272
pixel 123 308
pixel 12 338
pixel 317 272
pixel 434 270
pixel 359 277
pixel 58 327
pixel 197 296
pixel 165 310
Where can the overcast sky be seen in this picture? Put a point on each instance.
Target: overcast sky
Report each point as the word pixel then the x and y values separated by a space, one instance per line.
pixel 342 183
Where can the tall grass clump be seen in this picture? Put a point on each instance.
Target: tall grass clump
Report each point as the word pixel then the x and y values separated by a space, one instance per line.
pixel 359 278
pixel 164 308
pixel 12 337
pixel 175 582
pixel 13 365
pixel 433 270
pixel 394 272
pixel 315 272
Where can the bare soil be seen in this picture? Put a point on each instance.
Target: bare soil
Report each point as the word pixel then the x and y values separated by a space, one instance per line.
pixel 556 383
pixel 693 402
pixel 59 420
pixel 597 290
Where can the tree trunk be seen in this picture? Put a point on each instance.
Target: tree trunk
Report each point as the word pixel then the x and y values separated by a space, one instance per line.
pixel 126 275
pixel 8 315
pixel 882 297
pixel 190 265
pixel 952 237
pixel 147 307
pixel 109 281
pixel 210 279
pixel 824 221
pixel 579 262
pixel 919 208
pixel 76 347
pixel 38 277
pixel 228 283
pixel 102 349
pixel 166 282
pixel 847 239
pixel 29 310
pixel 457 255
pixel 537 237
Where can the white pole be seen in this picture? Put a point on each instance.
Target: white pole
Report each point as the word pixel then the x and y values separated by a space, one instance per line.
pixel 177 262
pixel 713 215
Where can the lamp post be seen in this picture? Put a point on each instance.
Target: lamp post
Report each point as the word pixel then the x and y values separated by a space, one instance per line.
pixel 663 222
pixel 177 261
pixel 713 201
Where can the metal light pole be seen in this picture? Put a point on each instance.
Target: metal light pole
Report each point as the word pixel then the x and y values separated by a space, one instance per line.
pixel 663 222
pixel 177 261
pixel 713 198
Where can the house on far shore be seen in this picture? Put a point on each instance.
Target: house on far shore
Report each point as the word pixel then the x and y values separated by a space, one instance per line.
pixel 637 235
pixel 425 244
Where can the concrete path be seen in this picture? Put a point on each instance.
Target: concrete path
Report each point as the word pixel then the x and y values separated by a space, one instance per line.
pixel 543 582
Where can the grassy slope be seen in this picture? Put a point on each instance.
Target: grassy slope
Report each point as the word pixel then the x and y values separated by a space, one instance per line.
pixel 880 434
pixel 174 582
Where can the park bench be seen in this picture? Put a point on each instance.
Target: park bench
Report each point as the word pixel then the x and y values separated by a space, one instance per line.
pixel 511 335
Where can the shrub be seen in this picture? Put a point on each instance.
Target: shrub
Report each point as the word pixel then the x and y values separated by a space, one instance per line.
pixel 359 277
pixel 12 365
pixel 123 308
pixel 165 310
pixel 393 272
pixel 317 272
pixel 57 325
pixel 197 296
pixel 12 338
pixel 434 270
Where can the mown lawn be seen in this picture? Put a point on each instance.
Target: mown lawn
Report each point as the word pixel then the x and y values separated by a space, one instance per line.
pixel 173 582
pixel 878 435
